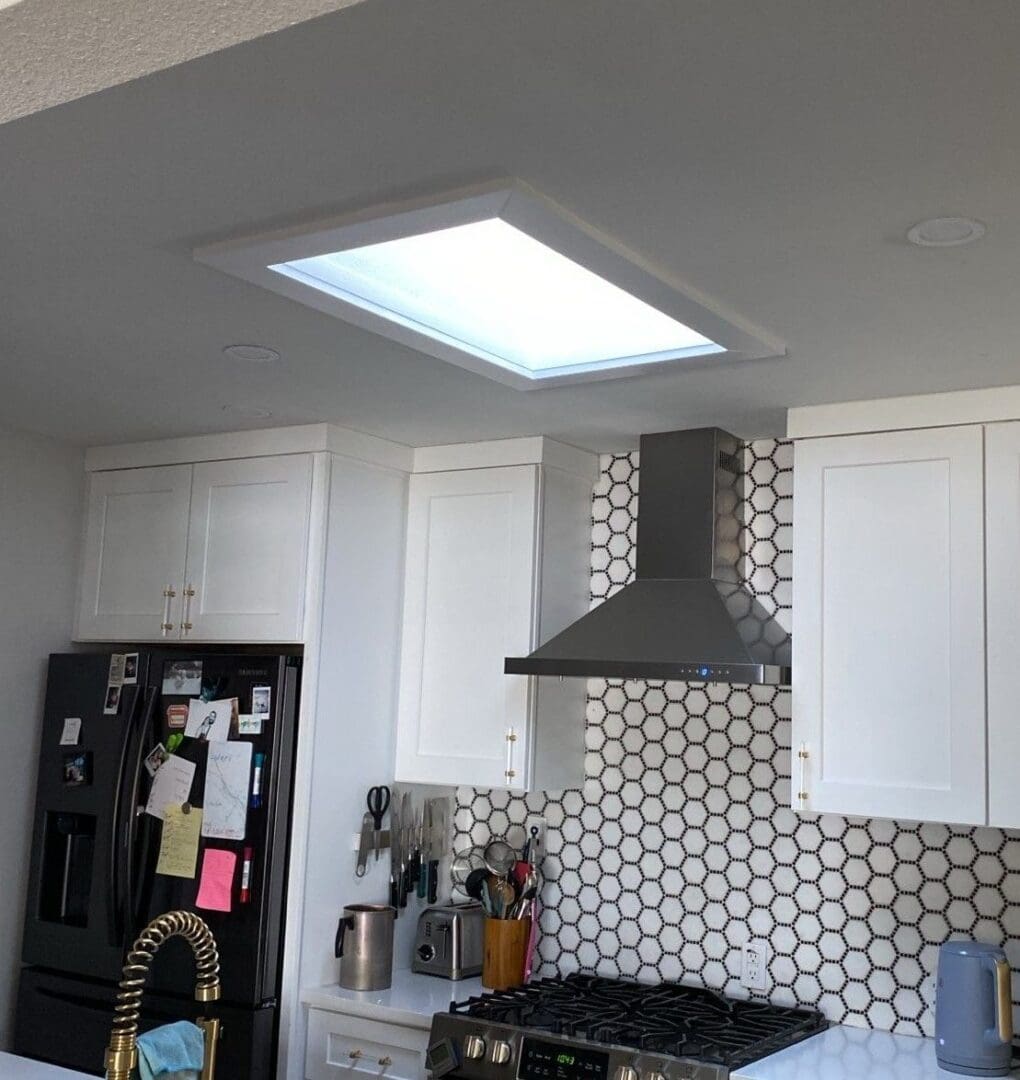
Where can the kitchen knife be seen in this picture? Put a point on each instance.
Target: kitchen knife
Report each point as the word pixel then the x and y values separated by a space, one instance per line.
pixel 394 853
pixel 424 833
pixel 366 844
pixel 415 877
pixel 437 842
pixel 406 824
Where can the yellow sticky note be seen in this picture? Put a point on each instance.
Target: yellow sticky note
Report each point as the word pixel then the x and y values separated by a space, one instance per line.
pixel 178 849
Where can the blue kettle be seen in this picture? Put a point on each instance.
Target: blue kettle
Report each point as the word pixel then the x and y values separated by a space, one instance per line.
pixel 973 1009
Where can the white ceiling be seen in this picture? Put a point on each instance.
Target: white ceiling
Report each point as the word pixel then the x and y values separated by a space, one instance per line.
pixel 770 154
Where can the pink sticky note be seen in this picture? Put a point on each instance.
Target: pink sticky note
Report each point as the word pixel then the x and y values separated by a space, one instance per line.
pixel 216 887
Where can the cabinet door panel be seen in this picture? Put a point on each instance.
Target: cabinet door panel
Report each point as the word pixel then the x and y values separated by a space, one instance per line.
pixel 135 545
pixel 248 548
pixel 1002 531
pixel 888 691
pixel 469 590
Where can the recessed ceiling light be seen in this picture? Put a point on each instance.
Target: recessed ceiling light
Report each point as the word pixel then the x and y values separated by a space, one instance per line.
pixel 248 412
pixel 253 354
pixel 499 281
pixel 945 232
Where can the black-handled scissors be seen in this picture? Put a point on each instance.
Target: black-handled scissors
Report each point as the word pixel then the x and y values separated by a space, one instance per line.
pixel 378 803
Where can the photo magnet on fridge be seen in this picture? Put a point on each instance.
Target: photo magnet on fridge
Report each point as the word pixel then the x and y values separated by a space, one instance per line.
pixel 182 678
pixel 130 668
pixel 112 704
pixel 117 668
pixel 72 731
pixel 78 768
pixel 176 717
pixel 261 699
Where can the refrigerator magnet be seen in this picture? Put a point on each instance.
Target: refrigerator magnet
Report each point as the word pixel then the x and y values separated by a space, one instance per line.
pixel 130 668
pixel 71 732
pixel 155 757
pixel 112 704
pixel 78 768
pixel 177 717
pixel 117 668
pixel 182 678
pixel 247 724
pixel 261 699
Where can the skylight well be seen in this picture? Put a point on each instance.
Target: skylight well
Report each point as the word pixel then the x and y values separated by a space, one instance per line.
pixel 500 283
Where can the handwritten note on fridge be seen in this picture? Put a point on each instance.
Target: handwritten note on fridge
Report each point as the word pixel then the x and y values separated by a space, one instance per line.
pixel 178 847
pixel 227 777
pixel 171 786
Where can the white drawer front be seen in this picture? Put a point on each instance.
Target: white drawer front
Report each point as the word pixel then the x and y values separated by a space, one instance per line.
pixel 352 1046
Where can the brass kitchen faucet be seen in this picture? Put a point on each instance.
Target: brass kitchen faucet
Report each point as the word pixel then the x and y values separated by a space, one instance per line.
pixel 122 1053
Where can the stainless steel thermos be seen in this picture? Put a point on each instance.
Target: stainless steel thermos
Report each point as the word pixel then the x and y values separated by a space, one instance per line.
pixel 364 946
pixel 973 1009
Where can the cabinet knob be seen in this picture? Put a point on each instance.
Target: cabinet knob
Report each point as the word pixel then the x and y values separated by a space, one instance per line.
pixel 385 1062
pixel 356 1055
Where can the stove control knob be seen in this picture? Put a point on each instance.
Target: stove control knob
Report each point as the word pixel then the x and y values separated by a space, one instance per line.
pixel 474 1048
pixel 500 1053
pixel 655 1076
pixel 626 1072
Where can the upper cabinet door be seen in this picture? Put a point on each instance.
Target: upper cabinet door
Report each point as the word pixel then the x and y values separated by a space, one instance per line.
pixel 135 545
pixel 889 665
pixel 469 595
pixel 248 550
pixel 1002 531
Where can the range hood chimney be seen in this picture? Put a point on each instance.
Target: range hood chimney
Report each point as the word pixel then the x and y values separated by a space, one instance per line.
pixel 687 615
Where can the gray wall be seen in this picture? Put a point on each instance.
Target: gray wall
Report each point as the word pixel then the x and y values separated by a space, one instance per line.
pixel 41 485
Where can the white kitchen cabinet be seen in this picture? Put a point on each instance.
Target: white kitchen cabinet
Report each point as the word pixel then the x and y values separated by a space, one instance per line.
pixel 339 1045
pixel 247 549
pixel 889 626
pixel 497 560
pixel 136 541
pixel 215 551
pixel 1002 547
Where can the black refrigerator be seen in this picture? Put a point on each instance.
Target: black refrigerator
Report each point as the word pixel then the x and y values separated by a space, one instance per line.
pixel 93 883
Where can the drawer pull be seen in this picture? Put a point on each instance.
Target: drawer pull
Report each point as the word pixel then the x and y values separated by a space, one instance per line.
pixel 385 1062
pixel 356 1055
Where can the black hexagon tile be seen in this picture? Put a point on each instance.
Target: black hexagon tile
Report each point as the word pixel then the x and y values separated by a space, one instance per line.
pixel 682 846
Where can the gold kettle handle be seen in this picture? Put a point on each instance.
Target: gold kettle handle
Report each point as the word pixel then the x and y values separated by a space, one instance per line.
pixel 1003 1001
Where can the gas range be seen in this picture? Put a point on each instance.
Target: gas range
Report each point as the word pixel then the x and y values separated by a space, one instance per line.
pixel 583 1027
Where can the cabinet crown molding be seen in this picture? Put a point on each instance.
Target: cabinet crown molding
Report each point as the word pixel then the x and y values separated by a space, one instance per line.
pixel 496 453
pixel 269 442
pixel 988 406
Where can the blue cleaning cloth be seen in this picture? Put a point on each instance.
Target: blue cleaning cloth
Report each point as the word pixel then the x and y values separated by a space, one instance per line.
pixel 172 1052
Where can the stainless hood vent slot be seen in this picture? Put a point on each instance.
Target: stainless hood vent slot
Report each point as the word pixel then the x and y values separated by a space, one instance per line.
pixel 687 615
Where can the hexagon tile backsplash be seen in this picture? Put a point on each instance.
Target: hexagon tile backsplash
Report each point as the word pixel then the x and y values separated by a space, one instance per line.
pixel 682 845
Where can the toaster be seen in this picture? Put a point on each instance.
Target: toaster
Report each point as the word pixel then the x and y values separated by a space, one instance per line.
pixel 449 941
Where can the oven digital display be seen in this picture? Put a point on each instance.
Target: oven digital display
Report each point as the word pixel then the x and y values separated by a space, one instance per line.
pixel 550 1061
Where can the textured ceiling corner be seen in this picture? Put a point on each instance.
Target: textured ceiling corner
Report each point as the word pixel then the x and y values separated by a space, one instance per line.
pixel 52 52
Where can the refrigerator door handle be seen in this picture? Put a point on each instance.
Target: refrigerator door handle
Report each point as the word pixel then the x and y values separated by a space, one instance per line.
pixel 129 906
pixel 114 876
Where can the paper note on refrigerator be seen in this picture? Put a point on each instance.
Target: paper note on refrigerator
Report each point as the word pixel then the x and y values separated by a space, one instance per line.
pixel 170 786
pixel 178 847
pixel 216 887
pixel 227 780
pixel 210 720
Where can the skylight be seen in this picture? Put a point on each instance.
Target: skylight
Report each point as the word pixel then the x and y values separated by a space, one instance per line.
pixel 495 279
pixel 489 287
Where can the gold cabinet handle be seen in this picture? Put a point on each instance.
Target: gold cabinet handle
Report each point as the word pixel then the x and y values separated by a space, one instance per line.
pixel 356 1055
pixel 802 754
pixel 385 1062
pixel 511 738
pixel 168 594
pixel 189 592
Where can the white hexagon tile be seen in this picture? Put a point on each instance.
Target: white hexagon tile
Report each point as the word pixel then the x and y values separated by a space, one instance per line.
pixel 682 845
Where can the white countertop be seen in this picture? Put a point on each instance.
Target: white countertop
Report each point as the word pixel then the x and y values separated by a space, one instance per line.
pixel 19 1068
pixel 410 1001
pixel 849 1053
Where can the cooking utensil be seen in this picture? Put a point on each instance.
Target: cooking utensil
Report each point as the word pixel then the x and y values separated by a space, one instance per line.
pixel 464 862
pixel 437 843
pixel 424 837
pixel 378 803
pixel 396 850
pixel 365 844
pixel 474 882
pixel 407 824
pixel 499 857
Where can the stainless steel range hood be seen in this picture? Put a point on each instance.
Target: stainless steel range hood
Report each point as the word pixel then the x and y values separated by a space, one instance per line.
pixel 687 615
